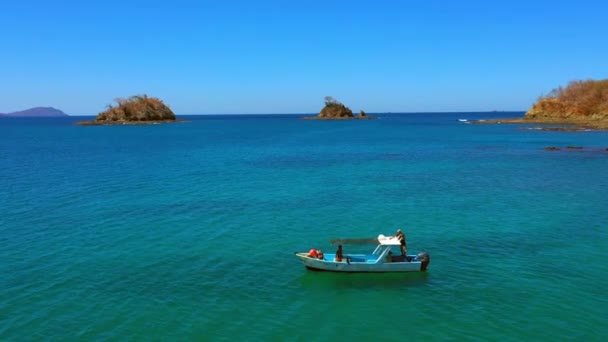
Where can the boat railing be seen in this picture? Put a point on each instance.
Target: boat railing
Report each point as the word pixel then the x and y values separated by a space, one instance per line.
pixel 382 256
pixel 377 250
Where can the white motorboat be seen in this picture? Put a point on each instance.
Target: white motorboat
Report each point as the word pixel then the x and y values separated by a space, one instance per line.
pixel 382 259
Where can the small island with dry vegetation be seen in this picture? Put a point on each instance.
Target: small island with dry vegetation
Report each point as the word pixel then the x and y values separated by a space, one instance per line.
pixel 581 105
pixel 335 110
pixel 135 110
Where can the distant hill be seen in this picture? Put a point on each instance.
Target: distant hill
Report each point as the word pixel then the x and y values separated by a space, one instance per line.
pixel 38 112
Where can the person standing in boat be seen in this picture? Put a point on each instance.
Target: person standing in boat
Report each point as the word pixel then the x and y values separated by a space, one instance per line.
pixel 401 238
pixel 339 255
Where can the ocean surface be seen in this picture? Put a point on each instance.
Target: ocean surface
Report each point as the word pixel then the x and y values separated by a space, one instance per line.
pixel 187 231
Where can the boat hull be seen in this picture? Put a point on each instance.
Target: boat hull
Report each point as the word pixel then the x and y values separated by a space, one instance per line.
pixel 360 267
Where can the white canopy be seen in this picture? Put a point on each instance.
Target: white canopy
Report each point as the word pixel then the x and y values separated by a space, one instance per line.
pixel 388 240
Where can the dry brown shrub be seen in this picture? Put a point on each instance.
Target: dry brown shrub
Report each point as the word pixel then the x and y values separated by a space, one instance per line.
pixel 137 108
pixel 578 99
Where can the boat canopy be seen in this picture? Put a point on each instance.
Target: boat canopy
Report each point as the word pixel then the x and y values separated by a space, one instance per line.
pixel 380 240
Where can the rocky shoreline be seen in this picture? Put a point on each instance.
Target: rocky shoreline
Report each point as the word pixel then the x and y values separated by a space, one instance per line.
pixel 563 124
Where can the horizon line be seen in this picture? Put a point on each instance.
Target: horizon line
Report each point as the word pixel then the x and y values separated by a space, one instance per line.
pixel 430 112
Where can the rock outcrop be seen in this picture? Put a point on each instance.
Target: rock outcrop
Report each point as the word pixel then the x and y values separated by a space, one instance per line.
pixel 335 110
pixel 134 110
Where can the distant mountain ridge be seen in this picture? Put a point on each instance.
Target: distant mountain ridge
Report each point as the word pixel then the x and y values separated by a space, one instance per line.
pixel 38 112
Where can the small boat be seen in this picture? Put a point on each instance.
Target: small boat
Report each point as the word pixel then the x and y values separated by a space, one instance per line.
pixel 381 260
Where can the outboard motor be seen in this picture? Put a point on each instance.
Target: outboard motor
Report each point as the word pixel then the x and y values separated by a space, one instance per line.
pixel 425 260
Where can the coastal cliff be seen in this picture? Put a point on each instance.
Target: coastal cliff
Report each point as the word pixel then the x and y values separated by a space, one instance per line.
pixel 134 110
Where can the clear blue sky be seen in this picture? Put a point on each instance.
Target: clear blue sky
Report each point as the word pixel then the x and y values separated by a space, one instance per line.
pixel 216 57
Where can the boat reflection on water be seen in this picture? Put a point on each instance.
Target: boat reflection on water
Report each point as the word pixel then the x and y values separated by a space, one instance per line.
pixel 341 281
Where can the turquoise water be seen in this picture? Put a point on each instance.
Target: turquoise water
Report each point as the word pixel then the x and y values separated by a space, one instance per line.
pixel 187 231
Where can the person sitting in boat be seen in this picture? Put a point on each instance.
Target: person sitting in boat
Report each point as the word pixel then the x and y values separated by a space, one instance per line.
pixel 339 255
pixel 320 255
pixel 312 253
pixel 401 238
